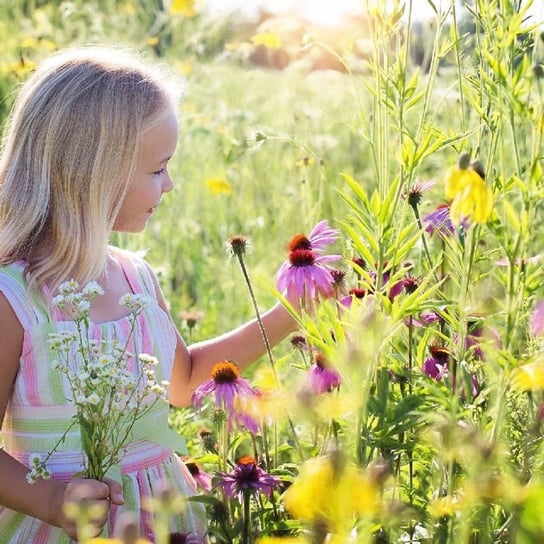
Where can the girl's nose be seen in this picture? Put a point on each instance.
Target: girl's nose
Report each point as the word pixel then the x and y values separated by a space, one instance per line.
pixel 167 184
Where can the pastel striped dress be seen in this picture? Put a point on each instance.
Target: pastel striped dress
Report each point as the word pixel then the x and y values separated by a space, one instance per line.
pixel 39 411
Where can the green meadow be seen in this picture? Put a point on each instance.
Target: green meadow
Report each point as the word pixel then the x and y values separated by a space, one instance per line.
pixel 434 433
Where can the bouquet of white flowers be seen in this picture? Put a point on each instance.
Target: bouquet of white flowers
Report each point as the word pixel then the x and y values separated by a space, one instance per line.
pixel 109 398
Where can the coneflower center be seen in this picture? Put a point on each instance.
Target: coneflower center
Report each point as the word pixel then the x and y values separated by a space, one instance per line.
pixel 247 460
pixel 225 372
pixel 299 241
pixel 302 257
pixel 439 352
pixel 357 292
pixel 320 361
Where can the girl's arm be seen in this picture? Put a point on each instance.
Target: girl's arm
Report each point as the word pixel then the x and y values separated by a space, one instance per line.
pixel 243 345
pixel 44 499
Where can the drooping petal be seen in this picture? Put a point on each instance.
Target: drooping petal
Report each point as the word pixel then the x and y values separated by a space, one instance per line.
pixel 322 235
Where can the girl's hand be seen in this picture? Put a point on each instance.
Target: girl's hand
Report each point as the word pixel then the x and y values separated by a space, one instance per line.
pixel 86 494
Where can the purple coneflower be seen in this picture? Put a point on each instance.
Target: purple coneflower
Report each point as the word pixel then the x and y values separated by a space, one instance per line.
pixel 247 478
pixel 322 236
pixel 226 384
pixel 537 320
pixel 426 317
pixel 305 274
pixel 439 220
pixel 477 334
pixel 202 478
pixel 322 377
pixel 354 293
pixel 436 366
pixel 186 538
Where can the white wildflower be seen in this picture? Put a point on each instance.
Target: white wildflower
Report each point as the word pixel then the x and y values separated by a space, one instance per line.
pixel 147 359
pixel 93 399
pixel 135 302
pixel 92 289
pixel 68 287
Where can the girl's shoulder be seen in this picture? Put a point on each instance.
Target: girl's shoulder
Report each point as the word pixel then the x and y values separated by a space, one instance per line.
pixel 136 268
pixel 13 275
pixel 13 286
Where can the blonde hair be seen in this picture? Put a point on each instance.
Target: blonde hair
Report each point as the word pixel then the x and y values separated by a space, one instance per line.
pixel 68 157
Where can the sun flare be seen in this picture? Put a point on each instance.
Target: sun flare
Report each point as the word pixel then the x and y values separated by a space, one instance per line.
pixel 326 12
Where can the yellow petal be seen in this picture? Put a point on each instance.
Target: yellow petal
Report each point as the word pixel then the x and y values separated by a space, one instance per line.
pixel 269 39
pixel 219 186
pixel 183 7
pixel 529 377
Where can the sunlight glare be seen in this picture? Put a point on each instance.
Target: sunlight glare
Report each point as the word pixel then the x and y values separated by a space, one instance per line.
pixel 326 12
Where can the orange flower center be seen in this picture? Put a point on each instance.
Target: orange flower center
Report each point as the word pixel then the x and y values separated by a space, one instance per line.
pixel 301 257
pixel 299 241
pixel 225 372
pixel 247 460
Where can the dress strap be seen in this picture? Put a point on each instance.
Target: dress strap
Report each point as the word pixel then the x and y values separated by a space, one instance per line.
pixel 137 273
pixel 14 288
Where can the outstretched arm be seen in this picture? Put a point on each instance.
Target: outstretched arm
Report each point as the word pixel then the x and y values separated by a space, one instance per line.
pixel 243 345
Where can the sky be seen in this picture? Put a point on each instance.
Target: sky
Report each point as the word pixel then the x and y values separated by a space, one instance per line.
pixel 332 11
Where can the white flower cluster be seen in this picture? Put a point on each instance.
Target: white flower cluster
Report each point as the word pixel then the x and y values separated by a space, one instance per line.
pixel 37 469
pixel 110 395
pixel 77 302
pixel 136 303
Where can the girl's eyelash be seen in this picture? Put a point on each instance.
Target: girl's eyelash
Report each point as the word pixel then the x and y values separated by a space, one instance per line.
pixel 159 172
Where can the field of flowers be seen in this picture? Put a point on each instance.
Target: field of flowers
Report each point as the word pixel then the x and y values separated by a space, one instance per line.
pixel 410 406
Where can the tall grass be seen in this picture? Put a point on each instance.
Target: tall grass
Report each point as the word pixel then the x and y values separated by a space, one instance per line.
pixel 267 154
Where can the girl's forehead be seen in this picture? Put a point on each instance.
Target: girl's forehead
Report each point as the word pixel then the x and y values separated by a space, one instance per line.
pixel 159 143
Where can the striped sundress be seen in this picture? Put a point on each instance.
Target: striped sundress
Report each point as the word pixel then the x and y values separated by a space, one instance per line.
pixel 39 412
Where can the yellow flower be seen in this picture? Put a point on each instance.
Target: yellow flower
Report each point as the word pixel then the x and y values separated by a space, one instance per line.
pixel 281 540
pixel 269 39
pixel 152 41
pixel 183 7
pixel 219 186
pixel 471 197
pixel 530 376
pixel 332 490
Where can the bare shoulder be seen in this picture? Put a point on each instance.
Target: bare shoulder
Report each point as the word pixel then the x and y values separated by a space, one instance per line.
pixel 11 342
pixel 11 330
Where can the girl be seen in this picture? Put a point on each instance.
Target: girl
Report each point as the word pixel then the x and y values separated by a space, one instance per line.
pixel 86 153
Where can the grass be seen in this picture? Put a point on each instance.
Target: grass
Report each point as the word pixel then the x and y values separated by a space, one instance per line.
pixel 266 154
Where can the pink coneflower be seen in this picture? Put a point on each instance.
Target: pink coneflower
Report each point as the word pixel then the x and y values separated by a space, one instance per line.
pixel 186 538
pixel 355 293
pixel 226 385
pixel 247 478
pixel 479 333
pixel 436 366
pixel 319 238
pixel 322 377
pixel 426 317
pixel 537 320
pixel 306 274
pixel 322 236
pixel 202 478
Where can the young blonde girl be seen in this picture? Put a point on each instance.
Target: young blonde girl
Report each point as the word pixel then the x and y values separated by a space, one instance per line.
pixel 86 153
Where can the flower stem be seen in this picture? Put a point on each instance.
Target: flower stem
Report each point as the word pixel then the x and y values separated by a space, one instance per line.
pixel 257 313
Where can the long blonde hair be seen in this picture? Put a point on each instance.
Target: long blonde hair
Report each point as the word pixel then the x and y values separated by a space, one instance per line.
pixel 68 157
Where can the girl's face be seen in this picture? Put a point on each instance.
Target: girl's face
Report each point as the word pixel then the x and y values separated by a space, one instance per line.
pixel 151 178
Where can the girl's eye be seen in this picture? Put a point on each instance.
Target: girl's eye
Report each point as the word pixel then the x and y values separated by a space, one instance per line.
pixel 159 172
